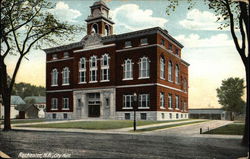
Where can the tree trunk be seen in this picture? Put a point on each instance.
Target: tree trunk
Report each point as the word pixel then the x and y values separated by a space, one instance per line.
pixel 6 95
pixel 245 139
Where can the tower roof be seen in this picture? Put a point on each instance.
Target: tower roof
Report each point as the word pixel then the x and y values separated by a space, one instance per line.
pixel 99 3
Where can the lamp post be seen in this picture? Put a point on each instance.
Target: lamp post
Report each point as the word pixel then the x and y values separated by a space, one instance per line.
pixel 134 106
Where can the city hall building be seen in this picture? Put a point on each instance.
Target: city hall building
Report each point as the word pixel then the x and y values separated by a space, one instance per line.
pixel 98 76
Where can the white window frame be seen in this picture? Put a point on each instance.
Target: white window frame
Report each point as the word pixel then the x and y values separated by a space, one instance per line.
pixel 162 100
pixel 54 104
pixel 105 67
pixel 82 70
pixel 162 68
pixel 144 98
pixel 128 70
pixel 128 97
pixel 177 102
pixel 65 102
pixel 93 69
pixel 144 41
pixel 144 68
pixel 170 101
pixel 177 74
pixel 54 77
pixel 65 76
pixel 170 71
pixel 127 44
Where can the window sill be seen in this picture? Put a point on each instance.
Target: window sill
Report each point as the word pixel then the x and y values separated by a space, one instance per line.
pixel 66 84
pixel 171 81
pixel 54 109
pixel 127 47
pixel 127 79
pixel 162 78
pixel 144 44
pixel 170 108
pixel 65 108
pixel 82 82
pixel 162 108
pixel 127 108
pixel 54 85
pixel 143 77
pixel 93 81
pixel 143 107
pixel 105 81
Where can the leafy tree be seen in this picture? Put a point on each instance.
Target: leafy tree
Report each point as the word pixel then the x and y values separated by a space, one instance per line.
pixel 230 93
pixel 235 15
pixel 25 89
pixel 26 24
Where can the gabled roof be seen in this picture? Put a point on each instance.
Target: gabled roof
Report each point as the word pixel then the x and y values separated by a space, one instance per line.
pixel 37 99
pixel 24 107
pixel 16 100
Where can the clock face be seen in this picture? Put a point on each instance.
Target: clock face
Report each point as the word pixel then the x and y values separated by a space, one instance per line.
pixel 96 12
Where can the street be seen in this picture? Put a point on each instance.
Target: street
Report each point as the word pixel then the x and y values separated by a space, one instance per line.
pixel 100 145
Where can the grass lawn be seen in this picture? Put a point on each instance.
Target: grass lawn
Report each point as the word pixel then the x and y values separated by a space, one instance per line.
pixel 98 125
pixel 169 126
pixel 230 129
pixel 23 121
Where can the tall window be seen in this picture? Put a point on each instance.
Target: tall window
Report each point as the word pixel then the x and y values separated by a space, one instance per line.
pixel 105 67
pixel 93 69
pixel 144 41
pixel 162 69
pixel 144 100
pixel 107 31
pixel 177 102
pixel 127 101
pixel 128 69
pixel 177 73
pixel 54 103
pixel 170 101
pixel 184 106
pixel 170 46
pixel 128 44
pixel 95 28
pixel 65 74
pixel 144 68
pixel 82 70
pixel 54 77
pixel 162 101
pixel 65 103
pixel 163 42
pixel 170 69
pixel 185 85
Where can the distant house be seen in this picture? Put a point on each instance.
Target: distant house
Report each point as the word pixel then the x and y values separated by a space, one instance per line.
pixel 209 113
pixel 15 101
pixel 39 102
pixel 27 111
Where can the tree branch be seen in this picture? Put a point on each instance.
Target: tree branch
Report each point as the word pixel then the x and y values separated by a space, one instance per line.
pixel 235 39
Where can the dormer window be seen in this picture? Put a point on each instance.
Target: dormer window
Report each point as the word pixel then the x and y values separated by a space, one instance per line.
pixel 65 54
pixel 144 41
pixel 54 56
pixel 128 44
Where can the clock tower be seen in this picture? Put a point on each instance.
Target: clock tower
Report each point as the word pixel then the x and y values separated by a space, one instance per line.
pixel 99 21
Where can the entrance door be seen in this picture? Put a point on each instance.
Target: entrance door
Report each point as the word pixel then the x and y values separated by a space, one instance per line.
pixel 94 104
pixel 94 110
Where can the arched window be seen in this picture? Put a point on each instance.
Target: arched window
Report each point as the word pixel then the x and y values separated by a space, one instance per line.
pixel 107 30
pixel 65 76
pixel 93 69
pixel 162 69
pixel 170 69
pixel 82 70
pixel 105 67
pixel 95 28
pixel 128 69
pixel 177 73
pixel 144 67
pixel 54 77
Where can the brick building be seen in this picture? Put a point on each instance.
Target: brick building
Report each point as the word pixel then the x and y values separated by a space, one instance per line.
pixel 98 76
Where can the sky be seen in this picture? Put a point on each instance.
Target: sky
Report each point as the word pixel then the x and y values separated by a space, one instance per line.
pixel 209 51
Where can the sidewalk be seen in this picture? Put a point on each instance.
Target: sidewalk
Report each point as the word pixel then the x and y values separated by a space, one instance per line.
pixel 112 131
